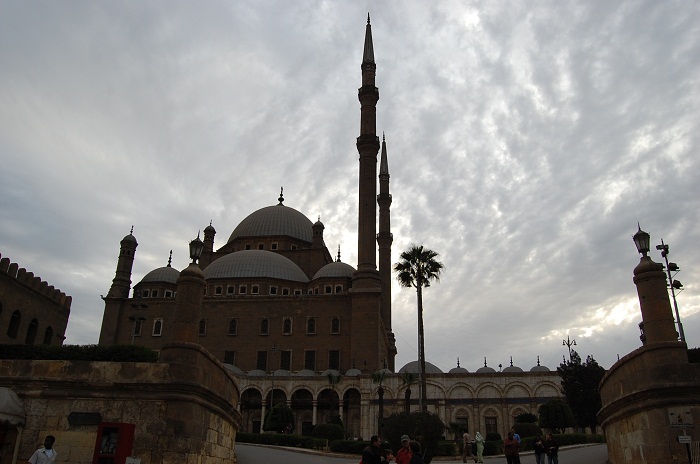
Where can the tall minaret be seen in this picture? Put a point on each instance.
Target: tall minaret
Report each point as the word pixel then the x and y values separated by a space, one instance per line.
pixel 121 284
pixel 368 147
pixel 384 239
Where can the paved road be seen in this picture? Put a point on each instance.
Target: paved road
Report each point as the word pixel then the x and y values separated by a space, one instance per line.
pixel 252 454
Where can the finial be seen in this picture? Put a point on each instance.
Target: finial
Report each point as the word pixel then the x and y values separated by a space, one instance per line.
pixel 538 360
pixel 383 137
pixel 485 361
pixel 132 231
pixel 338 258
pixel 170 259
pixel 368 17
pixel 457 362
pixel 210 221
pixel 281 198
pixel 198 234
pixel 511 361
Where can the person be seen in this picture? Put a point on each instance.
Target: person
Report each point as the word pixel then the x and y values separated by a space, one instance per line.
pixel 515 435
pixel 552 449
pixel 403 456
pixel 372 453
pixel 387 455
pixel 46 454
pixel 479 448
pixel 511 448
pixel 538 447
pixel 467 442
pixel 416 457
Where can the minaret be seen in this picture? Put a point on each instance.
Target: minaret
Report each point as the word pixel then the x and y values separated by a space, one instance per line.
pixel 121 284
pixel 384 239
pixel 368 147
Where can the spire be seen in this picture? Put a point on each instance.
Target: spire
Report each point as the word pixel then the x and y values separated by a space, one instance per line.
pixel 170 259
pixel 338 258
pixel 383 164
pixel 281 198
pixel 368 55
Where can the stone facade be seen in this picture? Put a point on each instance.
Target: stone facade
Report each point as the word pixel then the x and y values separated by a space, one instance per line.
pixel 183 407
pixel 32 312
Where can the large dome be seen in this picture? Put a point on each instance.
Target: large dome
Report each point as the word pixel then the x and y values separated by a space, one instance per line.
pixel 335 269
pixel 274 220
pixel 254 263
pixel 414 367
pixel 162 274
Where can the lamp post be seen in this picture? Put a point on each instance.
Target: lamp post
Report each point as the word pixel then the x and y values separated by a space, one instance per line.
pixel 568 343
pixel 196 248
pixel 673 284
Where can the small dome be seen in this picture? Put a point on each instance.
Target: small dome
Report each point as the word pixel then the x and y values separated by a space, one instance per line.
pixel 209 228
pixel 540 369
pixel 353 372
pixel 330 371
pixel 281 373
pixel 335 269
pixel 458 370
pixel 162 274
pixel 236 370
pixel 257 373
pixel 414 367
pixel 486 370
pixel 306 373
pixel 277 220
pixel 511 369
pixel 130 238
pixel 254 263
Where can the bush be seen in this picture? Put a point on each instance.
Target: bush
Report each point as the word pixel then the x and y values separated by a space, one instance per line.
pixel 423 428
pixel 278 418
pixel 525 418
pixel 348 446
pixel 527 429
pixel 493 436
pixel 116 353
pixel 328 431
pixel 445 448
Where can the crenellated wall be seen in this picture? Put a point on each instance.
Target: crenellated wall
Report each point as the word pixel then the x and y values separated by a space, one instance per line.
pixel 31 311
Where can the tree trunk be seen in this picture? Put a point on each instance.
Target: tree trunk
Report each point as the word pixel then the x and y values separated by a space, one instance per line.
pixel 421 348
pixel 380 425
pixel 407 405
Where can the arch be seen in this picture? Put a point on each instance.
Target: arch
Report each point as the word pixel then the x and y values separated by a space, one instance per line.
pixel 517 391
pixel 13 327
pixel 251 410
pixel 33 328
pixel 546 390
pixel 352 412
pixel 274 397
pixel 460 391
pixel 302 403
pixel 489 391
pixel 328 405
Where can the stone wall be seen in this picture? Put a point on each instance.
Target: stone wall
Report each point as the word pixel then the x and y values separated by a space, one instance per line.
pixel 183 408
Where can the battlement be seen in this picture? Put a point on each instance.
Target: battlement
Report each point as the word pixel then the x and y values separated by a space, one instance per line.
pixel 34 283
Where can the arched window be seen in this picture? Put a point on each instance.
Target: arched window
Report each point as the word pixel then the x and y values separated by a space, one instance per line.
pixel 48 335
pixel 31 332
pixel 158 327
pixel 311 325
pixel 264 327
pixel 232 327
pixel 202 327
pixel 335 325
pixel 13 328
pixel 287 326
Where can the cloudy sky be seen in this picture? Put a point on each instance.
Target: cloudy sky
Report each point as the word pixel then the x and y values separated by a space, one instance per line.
pixel 526 140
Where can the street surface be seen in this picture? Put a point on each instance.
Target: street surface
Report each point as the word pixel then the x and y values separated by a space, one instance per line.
pixel 253 454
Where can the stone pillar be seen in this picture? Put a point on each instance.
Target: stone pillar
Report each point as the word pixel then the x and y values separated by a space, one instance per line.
pixel 315 410
pixel 657 316
pixel 188 304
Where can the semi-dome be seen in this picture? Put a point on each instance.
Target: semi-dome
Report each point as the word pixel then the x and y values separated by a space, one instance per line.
pixel 162 274
pixel 335 269
pixel 254 263
pixel 277 220
pixel 414 367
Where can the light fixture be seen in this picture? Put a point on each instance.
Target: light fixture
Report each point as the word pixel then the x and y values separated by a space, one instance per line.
pixel 641 241
pixel 196 248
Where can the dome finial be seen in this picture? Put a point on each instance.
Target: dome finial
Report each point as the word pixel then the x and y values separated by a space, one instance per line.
pixel 281 198
pixel 170 259
pixel 511 361
pixel 368 17
pixel 132 231
pixel 338 258
pixel 485 362
pixel 457 361
pixel 210 221
pixel 538 360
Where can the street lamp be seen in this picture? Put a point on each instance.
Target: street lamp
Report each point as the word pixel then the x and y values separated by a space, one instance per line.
pixel 673 284
pixel 569 343
pixel 196 248
pixel 641 240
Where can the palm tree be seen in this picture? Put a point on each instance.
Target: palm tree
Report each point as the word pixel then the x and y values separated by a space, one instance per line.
pixel 378 378
pixel 408 378
pixel 417 268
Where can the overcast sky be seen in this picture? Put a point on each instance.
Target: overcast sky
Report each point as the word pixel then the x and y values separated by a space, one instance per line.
pixel 526 140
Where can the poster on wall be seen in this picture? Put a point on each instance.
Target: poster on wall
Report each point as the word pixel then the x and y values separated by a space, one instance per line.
pixel 680 417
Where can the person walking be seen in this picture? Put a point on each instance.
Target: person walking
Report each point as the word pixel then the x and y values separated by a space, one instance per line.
pixel 372 453
pixel 538 447
pixel 552 449
pixel 416 457
pixel 511 448
pixel 403 455
pixel 467 450
pixel 479 448
pixel 46 454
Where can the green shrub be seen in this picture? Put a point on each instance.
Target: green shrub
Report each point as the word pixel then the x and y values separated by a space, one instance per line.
pixel 330 432
pixel 278 418
pixel 527 430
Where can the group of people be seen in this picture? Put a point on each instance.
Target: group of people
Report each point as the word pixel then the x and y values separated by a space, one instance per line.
pixel 547 447
pixel 467 450
pixel 409 453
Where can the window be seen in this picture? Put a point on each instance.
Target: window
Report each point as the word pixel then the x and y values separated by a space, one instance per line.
pixel 285 291
pixel 287 326
pixel 230 357
pixel 462 418
pixel 230 289
pixel 145 293
pixel 286 360
pixel 138 326
pixel 294 247
pixel 168 293
pixel 48 335
pixel 261 246
pixel 157 328
pixel 491 423
pixel 311 325
pixel 273 290
pixel 261 362
pixel 297 291
pixel 311 291
pixel 202 327
pixel 243 289
pixel 273 246
pixel 327 289
pixel 218 290
pixel 338 289
pixel 13 328
pixel 233 326
pixel 255 289
pixel 265 327
pixel 247 247
pixel 335 325
pixel 334 359
pixel 31 332
pixel 310 360
pixel 154 293
pixel 316 291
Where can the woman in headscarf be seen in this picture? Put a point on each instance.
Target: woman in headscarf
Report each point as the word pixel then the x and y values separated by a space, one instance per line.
pixel 479 448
